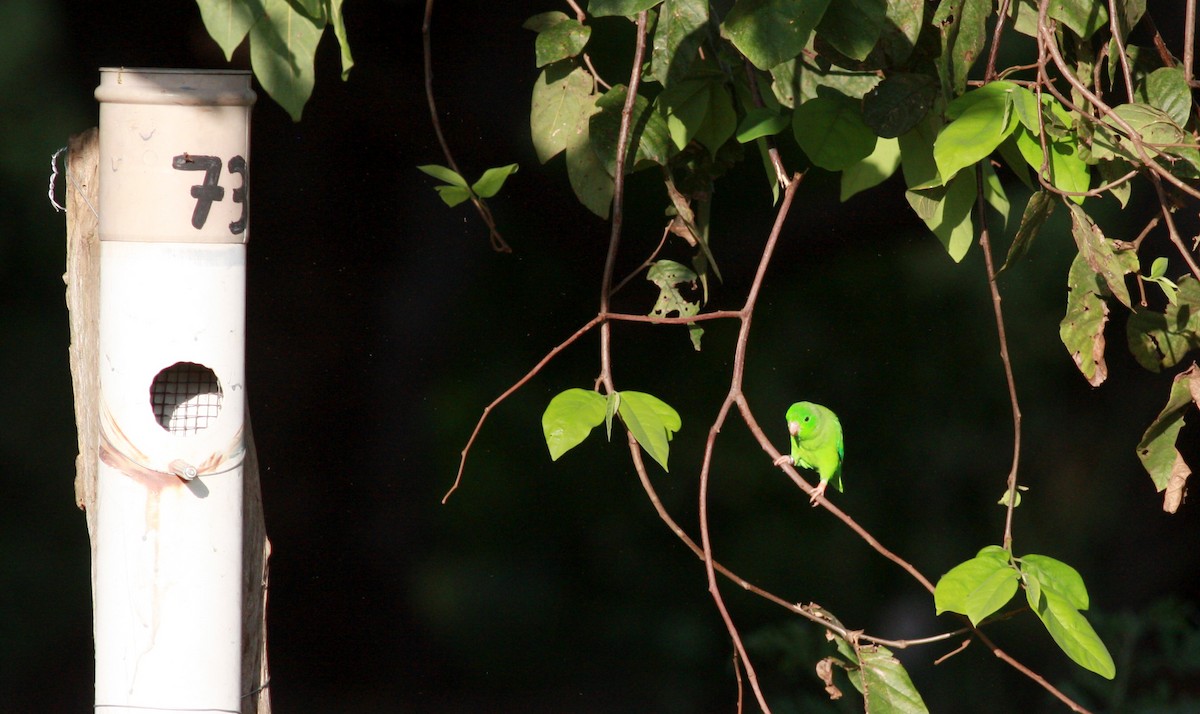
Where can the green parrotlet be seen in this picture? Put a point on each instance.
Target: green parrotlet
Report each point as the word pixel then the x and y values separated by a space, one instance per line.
pixel 816 438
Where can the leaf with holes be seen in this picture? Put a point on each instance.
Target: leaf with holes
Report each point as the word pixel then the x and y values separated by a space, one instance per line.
pixel 1082 328
pixel 668 275
pixel 1102 255
pixel 1158 450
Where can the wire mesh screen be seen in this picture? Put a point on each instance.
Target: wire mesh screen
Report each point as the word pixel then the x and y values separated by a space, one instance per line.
pixel 186 398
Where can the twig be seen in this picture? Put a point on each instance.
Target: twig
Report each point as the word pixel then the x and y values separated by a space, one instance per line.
pixel 618 204
pixel 1002 12
pixel 1007 658
pixel 1114 24
pixel 985 243
pixel 462 463
pixel 498 243
pixel 645 263
pixel 1189 41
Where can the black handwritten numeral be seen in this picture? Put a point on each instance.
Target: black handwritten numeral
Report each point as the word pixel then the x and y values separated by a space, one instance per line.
pixel 237 165
pixel 208 191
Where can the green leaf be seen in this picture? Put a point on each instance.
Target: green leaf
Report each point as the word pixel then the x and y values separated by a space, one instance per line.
pixel 589 178
pixel 901 28
pixel 1167 89
pixel 651 421
pixel 879 677
pixel 544 21
pixel 228 21
pixel 760 122
pixel 899 103
pixel 770 32
pixel 562 103
pixel 1067 170
pixel 947 212
pixel 831 132
pixel 453 195
pixel 339 31
pixel 886 685
pixel 852 27
pixel 1082 328
pixel 682 28
pixel 981 120
pixel 283 43
pixel 1160 340
pixel 444 173
pixel 1072 632
pixel 1037 211
pixel 560 41
pixel 916 154
pixel 492 180
pixel 627 8
pixel 977 587
pixel 873 170
pixel 1102 255
pixel 700 109
pixel 963 28
pixel 1157 449
pixel 1158 276
pixel 1056 576
pixel 1084 17
pixel 649 140
pixel 569 418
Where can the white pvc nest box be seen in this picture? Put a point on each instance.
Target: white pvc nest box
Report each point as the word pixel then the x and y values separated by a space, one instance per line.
pixel 173 209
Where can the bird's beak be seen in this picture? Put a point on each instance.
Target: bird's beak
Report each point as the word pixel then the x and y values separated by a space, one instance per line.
pixel 793 427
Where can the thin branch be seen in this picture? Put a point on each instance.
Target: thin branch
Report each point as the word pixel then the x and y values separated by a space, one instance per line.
pixel 498 243
pixel 990 72
pixel 1114 24
pixel 985 243
pixel 618 204
pixel 645 263
pixel 1007 658
pixel 706 544
pixel 1189 41
pixel 462 463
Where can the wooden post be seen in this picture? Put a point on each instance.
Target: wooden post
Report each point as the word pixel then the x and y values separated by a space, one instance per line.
pixel 83 289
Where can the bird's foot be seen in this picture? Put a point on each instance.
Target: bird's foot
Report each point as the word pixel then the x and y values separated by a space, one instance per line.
pixel 784 460
pixel 818 493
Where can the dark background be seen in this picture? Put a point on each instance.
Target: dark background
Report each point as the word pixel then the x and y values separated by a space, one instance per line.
pixel 380 324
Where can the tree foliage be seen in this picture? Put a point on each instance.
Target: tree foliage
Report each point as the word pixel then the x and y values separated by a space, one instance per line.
pixel 867 89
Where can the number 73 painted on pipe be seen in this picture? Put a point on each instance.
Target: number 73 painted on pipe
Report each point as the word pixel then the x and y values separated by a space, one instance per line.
pixel 208 191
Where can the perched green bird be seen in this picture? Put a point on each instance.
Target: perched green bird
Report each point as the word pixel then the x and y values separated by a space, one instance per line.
pixel 816 438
